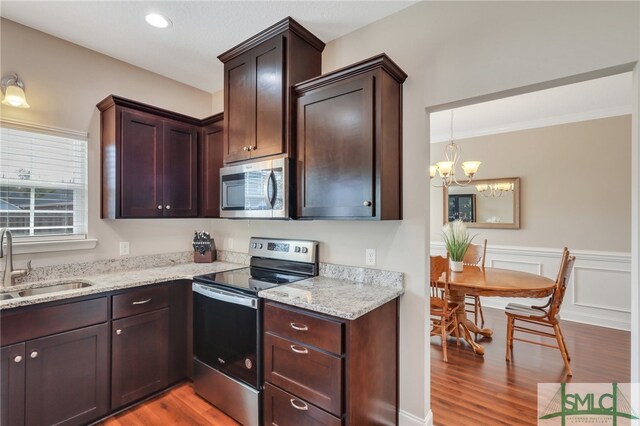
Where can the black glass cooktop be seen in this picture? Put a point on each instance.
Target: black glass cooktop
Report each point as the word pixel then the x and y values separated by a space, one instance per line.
pixel 249 280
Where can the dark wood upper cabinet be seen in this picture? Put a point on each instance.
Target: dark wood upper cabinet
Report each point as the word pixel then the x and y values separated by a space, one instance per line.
pixel 349 143
pixel 149 161
pixel 257 76
pixel 210 161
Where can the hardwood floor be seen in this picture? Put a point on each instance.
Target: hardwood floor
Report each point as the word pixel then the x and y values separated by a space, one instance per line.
pixel 473 390
pixel 178 407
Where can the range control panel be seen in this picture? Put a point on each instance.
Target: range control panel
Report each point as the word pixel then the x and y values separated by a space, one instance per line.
pixel 276 248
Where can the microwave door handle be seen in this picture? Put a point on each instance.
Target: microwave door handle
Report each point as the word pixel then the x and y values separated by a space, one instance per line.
pixel 274 185
pixel 267 181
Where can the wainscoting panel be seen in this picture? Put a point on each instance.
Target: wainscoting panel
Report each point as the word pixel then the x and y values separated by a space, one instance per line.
pixel 599 291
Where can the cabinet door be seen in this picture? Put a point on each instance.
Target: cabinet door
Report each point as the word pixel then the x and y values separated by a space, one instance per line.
pixel 269 94
pixel 141 165
pixel 67 377
pixel 139 348
pixel 12 385
pixel 211 150
pixel 180 170
pixel 336 146
pixel 238 108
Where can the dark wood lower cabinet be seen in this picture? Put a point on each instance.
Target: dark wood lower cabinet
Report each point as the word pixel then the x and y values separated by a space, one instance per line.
pixel 281 408
pixel 67 378
pixel 311 380
pixel 139 351
pixel 12 372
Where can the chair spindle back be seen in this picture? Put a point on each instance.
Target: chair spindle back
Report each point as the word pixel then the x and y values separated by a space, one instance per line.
pixel 439 266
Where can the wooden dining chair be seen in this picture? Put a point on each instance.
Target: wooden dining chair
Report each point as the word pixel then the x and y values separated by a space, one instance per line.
pixel 547 315
pixel 442 312
pixel 475 256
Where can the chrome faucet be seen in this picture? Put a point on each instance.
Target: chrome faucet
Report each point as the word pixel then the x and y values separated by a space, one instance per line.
pixel 9 274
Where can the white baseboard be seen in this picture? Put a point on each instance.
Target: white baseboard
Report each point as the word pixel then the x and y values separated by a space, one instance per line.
pixel 408 419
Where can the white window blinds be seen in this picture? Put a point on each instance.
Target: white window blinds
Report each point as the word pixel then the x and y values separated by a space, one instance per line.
pixel 43 184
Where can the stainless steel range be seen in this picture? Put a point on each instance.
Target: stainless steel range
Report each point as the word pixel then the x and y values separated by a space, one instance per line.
pixel 227 316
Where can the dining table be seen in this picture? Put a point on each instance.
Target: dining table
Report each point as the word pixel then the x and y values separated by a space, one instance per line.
pixel 491 282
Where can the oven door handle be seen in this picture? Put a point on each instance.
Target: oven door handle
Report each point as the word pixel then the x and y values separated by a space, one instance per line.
pixel 225 296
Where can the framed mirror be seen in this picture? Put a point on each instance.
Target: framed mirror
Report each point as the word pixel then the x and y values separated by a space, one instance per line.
pixel 488 203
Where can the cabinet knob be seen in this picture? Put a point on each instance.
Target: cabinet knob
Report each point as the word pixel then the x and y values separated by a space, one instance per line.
pixel 34 354
pixel 253 148
pixel 246 148
pixel 18 358
pixel 300 406
pixel 159 206
pixel 168 207
pixel 367 203
pixel 118 332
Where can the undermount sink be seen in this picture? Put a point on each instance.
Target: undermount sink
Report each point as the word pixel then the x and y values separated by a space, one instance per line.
pixel 53 288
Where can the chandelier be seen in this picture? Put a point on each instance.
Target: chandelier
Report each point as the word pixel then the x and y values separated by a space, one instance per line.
pixel 447 169
pixel 494 189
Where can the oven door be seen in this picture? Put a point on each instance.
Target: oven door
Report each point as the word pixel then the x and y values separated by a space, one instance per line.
pixel 226 332
pixel 254 190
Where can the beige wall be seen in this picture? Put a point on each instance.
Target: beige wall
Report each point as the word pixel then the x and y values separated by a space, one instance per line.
pixel 451 51
pixel 63 84
pixel 568 198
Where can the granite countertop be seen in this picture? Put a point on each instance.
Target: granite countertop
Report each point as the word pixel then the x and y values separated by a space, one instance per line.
pixel 343 291
pixel 338 297
pixel 102 283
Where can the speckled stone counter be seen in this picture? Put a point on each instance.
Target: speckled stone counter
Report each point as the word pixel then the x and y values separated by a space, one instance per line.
pixel 115 281
pixel 340 298
pixel 342 291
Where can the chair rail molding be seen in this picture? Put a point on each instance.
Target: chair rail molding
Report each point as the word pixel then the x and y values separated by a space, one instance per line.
pixel 599 290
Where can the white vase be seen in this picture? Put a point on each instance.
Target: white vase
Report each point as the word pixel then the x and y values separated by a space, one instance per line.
pixel 455 266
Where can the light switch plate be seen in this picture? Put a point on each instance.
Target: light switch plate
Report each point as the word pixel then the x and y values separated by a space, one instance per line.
pixel 124 248
pixel 371 257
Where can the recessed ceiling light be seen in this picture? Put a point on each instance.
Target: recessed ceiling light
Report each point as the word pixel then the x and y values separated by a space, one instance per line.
pixel 157 20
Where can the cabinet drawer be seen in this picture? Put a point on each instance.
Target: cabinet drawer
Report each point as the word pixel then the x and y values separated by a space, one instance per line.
pixel 282 409
pixel 322 333
pixel 139 301
pixel 310 374
pixel 34 322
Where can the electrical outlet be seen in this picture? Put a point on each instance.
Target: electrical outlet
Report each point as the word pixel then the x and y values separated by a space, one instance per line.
pixel 124 248
pixel 371 257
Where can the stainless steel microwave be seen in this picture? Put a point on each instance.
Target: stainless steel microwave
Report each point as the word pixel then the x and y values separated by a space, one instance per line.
pixel 255 190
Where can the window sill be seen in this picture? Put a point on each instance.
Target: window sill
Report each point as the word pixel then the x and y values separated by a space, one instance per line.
pixel 51 246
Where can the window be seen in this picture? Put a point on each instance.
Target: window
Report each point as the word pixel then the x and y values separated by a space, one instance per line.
pixel 43 183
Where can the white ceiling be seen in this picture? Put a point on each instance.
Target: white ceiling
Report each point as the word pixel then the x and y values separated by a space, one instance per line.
pixel 201 30
pixel 588 100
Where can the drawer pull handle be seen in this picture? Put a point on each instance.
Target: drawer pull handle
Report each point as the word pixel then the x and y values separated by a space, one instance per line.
pixel 17 359
pixel 34 354
pixel 118 332
pixel 142 302
pixel 297 349
pixel 303 407
pixel 299 327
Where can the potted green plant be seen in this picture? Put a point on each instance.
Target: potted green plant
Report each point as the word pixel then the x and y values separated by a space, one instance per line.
pixel 457 240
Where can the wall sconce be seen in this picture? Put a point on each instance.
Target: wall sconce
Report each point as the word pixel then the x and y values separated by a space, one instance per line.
pixel 13 89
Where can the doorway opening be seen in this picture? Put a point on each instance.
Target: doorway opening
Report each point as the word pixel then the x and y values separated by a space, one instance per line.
pixel 569 144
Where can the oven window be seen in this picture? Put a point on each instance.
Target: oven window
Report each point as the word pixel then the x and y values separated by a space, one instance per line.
pixel 226 337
